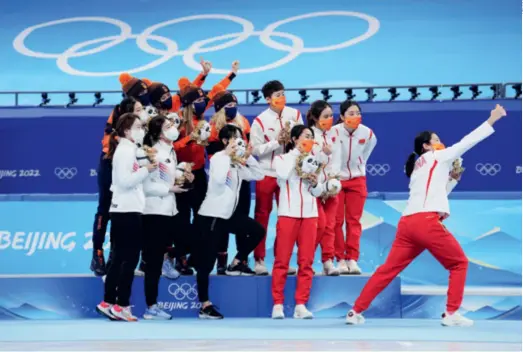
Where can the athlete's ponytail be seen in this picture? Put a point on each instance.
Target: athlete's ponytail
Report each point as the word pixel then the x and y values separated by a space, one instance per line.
pixel 419 148
pixel 409 165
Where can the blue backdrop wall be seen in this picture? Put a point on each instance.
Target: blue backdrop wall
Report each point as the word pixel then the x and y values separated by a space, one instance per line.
pixel 56 150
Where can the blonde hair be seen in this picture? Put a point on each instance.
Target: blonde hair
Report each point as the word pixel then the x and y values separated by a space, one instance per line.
pixel 187 115
pixel 219 120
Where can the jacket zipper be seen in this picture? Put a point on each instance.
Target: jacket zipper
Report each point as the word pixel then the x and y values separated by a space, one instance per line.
pixel 350 152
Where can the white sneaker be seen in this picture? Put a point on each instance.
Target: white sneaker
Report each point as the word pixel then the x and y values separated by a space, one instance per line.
pixel 155 313
pixel 354 318
pixel 292 271
pixel 343 269
pixel 260 268
pixel 455 319
pixel 123 313
pixel 301 312
pixel 277 312
pixel 354 269
pixel 329 269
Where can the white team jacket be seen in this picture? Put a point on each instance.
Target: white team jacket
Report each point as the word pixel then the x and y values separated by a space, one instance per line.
pixel 264 136
pixel 429 183
pixel 225 181
pixel 297 196
pixel 332 162
pixel 356 148
pixel 159 200
pixel 127 188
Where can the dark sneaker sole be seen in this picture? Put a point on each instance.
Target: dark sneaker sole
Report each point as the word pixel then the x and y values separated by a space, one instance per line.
pixel 208 317
pixel 107 315
pixel 238 273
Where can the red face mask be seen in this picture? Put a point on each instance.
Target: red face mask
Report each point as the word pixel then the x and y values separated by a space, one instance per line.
pixel 325 124
pixel 279 103
pixel 438 146
pixel 306 145
pixel 353 122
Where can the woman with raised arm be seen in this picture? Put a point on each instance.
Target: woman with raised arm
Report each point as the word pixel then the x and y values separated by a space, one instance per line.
pixel 421 227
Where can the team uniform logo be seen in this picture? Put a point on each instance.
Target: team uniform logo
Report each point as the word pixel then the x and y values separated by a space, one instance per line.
pixel 168 48
pixel 164 172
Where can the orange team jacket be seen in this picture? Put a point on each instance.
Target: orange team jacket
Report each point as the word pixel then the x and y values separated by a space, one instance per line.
pixel 187 150
pixel 215 145
pixel 110 124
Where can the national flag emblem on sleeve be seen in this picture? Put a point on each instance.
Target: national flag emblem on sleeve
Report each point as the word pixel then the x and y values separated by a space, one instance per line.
pixel 164 172
pixel 135 166
pixel 228 180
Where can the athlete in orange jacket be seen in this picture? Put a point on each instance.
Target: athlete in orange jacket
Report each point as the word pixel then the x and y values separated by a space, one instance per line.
pixel 194 104
pixel 140 90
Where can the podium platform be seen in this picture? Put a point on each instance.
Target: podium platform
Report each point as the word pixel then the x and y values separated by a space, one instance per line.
pixel 37 298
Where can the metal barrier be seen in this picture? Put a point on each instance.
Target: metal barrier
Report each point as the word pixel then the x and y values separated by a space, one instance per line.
pixel 253 96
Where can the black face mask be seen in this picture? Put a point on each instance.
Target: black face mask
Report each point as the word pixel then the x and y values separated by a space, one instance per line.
pixel 231 112
pixel 199 108
pixel 167 104
pixel 144 99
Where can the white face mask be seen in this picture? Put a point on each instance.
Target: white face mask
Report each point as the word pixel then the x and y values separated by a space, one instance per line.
pixel 171 134
pixel 240 147
pixel 144 116
pixel 137 134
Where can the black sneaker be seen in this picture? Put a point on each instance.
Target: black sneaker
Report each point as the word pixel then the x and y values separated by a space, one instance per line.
pixel 183 267
pixel 240 269
pixel 98 263
pixel 221 270
pixel 210 312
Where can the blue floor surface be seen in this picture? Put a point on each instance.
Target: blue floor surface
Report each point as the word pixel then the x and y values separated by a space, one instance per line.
pixel 258 335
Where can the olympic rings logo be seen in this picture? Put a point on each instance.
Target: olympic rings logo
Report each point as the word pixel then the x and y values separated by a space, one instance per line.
pixel 171 48
pixel 65 172
pixel 377 169
pixel 183 291
pixel 488 169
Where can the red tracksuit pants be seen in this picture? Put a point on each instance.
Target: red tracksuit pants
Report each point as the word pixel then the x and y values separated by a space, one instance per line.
pixel 291 231
pixel 416 233
pixel 326 224
pixel 266 190
pixel 351 201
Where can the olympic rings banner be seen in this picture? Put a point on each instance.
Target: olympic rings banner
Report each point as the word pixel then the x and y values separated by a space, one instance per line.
pixel 171 49
pixel 57 150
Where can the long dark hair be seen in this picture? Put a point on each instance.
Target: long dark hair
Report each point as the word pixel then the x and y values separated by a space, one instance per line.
pixel 296 133
pixel 125 106
pixel 421 139
pixel 344 107
pixel 154 130
pixel 314 113
pixel 125 122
